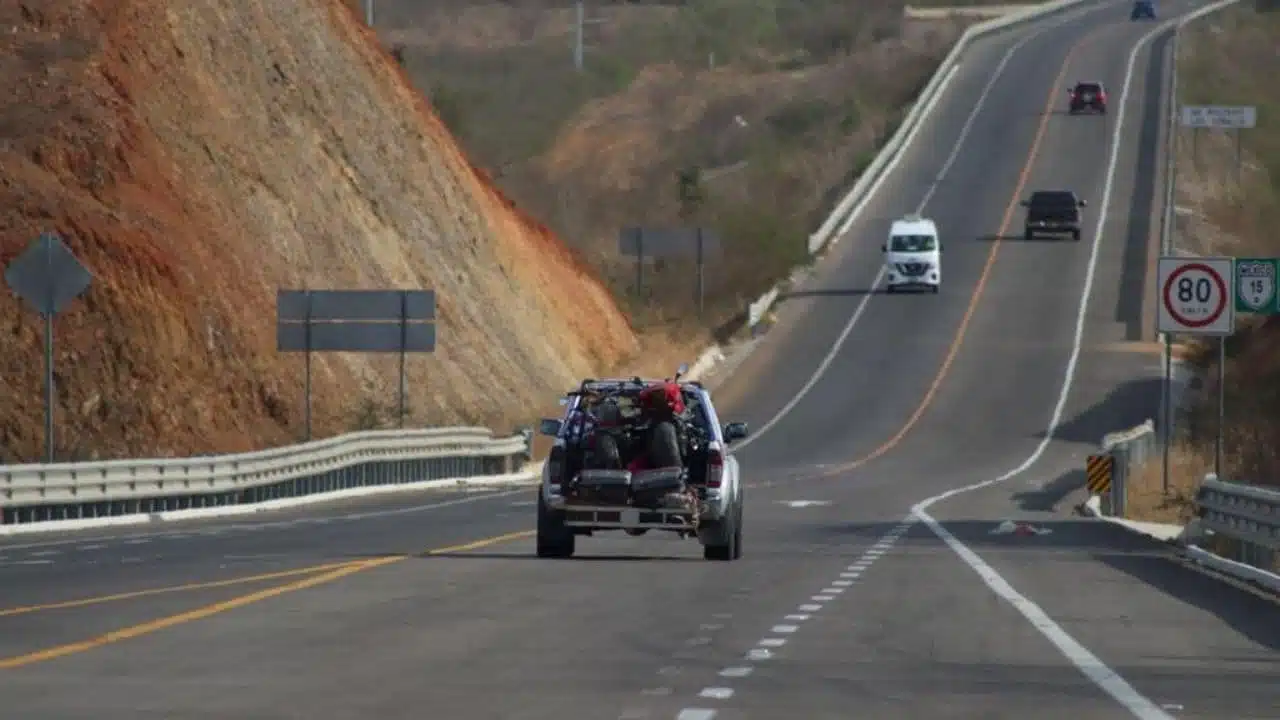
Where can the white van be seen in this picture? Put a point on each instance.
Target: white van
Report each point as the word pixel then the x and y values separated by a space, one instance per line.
pixel 913 256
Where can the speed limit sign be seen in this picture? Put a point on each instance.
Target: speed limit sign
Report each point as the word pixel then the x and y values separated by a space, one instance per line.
pixel 1196 296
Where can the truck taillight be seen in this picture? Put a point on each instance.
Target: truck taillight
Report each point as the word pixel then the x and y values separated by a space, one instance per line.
pixel 715 468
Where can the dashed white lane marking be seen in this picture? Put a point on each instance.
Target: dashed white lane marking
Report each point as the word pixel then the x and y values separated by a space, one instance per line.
pixel 34 562
pixel 46 553
pixel 137 541
pixel 131 560
pixel 765 647
pixel 87 548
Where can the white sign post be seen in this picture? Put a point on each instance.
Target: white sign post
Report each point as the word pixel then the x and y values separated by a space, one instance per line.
pixel 1196 296
pixel 1222 117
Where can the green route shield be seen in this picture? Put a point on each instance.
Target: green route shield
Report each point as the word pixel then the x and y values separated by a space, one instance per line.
pixel 1256 286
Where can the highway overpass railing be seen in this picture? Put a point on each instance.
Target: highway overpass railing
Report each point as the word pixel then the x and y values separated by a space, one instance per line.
pixel 38 493
pixel 1240 525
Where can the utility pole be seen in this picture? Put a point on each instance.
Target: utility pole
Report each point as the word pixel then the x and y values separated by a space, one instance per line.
pixel 580 13
pixel 368 12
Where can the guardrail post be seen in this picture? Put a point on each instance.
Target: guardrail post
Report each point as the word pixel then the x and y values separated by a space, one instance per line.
pixel 1119 479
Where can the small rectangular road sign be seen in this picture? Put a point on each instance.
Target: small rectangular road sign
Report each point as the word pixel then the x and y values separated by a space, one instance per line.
pixel 1098 472
pixel 1195 296
pixel 1256 285
pixel 1219 116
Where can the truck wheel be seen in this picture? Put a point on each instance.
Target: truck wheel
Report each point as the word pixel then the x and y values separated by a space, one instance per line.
pixel 555 540
pixel 1075 234
pixel 1028 235
pixel 664 445
pixel 729 546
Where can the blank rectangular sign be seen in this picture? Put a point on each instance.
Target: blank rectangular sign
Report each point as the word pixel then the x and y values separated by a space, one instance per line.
pixel 291 305
pixel 665 242
pixel 362 337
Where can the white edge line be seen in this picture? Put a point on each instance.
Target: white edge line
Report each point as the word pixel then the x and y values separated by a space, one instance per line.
pixel 1089 664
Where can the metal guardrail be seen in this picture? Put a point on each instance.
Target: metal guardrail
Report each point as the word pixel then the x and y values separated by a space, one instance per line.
pixel 1129 449
pixel 65 491
pixel 1244 521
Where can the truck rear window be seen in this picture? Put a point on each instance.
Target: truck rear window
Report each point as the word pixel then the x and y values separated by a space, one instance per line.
pixel 1052 199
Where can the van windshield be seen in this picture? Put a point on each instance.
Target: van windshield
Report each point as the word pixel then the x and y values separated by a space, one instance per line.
pixel 913 243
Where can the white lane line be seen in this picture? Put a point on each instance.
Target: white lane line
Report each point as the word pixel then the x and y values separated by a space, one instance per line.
pixel 784 629
pixel 797 617
pixel 758 654
pixel 86 548
pixel 137 541
pixel 698 641
pixel 772 642
pixel 824 598
pixel 978 106
pixel 716 693
pixel 1085 661
pixel 46 553
pixel 128 560
pixel 841 583
pixel 833 591
pixel 850 575
pixel 33 562
pixel 809 608
pixel 740 671
pixel 696 714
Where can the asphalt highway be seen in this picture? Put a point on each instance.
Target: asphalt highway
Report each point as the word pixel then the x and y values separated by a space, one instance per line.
pixel 846 604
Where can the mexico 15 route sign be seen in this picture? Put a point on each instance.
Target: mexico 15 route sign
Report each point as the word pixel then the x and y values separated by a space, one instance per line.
pixel 1256 286
pixel 1195 296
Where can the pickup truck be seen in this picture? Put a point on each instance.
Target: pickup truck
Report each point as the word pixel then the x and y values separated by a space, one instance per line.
pixel 616 465
pixel 1053 212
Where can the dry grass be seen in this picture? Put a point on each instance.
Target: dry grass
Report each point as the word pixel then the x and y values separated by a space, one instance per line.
pixel 1146 499
pixel 793 109
pixel 198 156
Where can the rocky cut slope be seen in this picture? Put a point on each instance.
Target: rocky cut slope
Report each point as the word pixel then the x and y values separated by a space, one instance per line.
pixel 197 156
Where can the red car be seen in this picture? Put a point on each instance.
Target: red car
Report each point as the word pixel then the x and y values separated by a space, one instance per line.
pixel 1087 97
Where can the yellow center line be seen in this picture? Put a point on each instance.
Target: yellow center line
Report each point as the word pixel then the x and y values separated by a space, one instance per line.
pixel 337 572
pixel 188 587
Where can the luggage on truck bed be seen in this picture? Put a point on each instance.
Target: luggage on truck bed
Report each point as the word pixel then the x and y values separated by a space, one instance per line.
pixel 647 488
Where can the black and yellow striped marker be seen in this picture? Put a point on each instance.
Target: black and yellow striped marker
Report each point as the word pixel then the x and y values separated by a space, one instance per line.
pixel 1098 473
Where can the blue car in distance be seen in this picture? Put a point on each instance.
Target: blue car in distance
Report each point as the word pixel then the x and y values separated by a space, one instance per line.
pixel 1143 10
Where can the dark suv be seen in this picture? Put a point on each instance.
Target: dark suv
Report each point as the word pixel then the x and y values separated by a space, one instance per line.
pixel 1053 212
pixel 1087 97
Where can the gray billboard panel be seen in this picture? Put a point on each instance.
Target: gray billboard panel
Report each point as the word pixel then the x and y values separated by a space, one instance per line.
pixel 328 305
pixel 362 337
pixel 665 242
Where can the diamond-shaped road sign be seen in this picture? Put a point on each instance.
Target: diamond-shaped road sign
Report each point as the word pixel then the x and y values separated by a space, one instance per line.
pixel 47 275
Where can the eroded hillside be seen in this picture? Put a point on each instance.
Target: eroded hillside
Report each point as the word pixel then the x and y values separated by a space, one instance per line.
pixel 196 156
